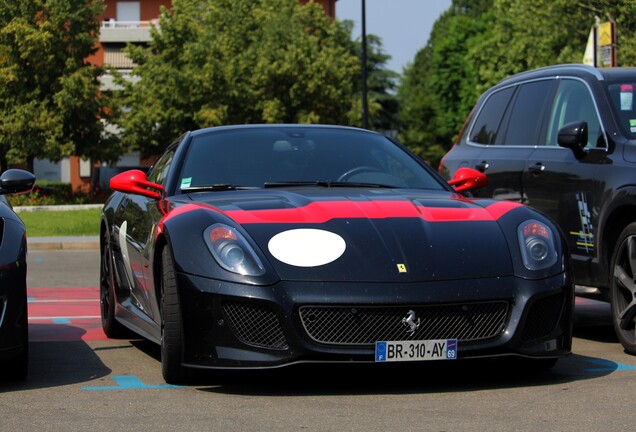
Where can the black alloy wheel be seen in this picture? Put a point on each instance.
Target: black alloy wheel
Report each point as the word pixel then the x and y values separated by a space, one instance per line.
pixel 623 289
pixel 112 328
pixel 171 324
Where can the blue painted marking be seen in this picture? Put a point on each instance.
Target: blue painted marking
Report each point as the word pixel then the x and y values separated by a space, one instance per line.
pixel 38 259
pixel 61 321
pixel 129 382
pixel 30 299
pixel 609 366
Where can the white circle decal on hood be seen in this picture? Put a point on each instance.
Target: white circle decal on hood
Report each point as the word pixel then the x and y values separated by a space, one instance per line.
pixel 307 247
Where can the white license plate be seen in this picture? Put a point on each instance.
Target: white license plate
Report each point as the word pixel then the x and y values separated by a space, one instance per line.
pixel 439 349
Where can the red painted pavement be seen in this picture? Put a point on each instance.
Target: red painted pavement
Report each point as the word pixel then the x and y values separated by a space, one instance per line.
pixel 64 314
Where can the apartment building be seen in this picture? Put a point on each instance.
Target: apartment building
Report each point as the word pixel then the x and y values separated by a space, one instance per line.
pixel 123 22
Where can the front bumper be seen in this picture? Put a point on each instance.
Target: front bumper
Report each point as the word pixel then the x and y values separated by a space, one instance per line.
pixel 238 326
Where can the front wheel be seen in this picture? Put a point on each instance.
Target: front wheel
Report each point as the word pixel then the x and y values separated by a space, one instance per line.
pixel 171 324
pixel 623 288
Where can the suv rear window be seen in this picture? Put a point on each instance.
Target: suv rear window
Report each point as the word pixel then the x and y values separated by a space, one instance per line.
pixel 486 126
pixel 528 113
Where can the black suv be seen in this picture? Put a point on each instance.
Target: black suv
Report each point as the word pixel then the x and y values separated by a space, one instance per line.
pixel 562 139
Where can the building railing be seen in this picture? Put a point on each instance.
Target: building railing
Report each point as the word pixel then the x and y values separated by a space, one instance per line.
pixel 112 31
pixel 111 23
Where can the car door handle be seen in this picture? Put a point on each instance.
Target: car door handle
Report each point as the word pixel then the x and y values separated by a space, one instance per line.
pixel 537 168
pixel 483 166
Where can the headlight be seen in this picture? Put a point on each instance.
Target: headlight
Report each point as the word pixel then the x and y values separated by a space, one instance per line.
pixel 230 249
pixel 537 245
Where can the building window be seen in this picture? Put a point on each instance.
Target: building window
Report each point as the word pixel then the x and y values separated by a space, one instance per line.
pixel 85 167
pixel 128 11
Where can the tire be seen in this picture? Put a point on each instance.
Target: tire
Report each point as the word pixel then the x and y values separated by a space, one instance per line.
pixel 112 328
pixel 171 324
pixel 623 289
pixel 17 368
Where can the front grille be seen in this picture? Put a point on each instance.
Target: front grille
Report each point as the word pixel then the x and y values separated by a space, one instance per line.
pixel 367 324
pixel 543 317
pixel 254 325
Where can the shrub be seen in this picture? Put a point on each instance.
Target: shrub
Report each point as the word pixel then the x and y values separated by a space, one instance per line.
pixel 56 193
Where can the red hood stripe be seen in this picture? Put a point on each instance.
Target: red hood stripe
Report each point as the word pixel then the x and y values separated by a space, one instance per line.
pixel 323 211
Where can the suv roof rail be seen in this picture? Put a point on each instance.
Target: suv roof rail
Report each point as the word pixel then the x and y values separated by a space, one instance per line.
pixel 579 67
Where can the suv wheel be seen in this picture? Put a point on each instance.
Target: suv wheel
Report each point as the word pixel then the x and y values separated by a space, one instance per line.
pixel 623 288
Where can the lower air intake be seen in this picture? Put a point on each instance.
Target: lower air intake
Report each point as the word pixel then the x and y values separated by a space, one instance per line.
pixel 543 317
pixel 254 325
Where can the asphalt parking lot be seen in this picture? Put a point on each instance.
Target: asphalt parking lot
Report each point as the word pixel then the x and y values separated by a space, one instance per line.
pixel 80 380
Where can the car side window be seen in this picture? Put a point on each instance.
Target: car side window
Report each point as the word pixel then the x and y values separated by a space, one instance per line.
pixel 573 102
pixel 486 126
pixel 621 94
pixel 161 168
pixel 528 113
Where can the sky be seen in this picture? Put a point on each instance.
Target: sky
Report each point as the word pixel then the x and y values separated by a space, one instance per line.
pixel 403 25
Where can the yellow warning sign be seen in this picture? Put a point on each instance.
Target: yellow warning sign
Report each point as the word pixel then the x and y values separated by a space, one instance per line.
pixel 605 31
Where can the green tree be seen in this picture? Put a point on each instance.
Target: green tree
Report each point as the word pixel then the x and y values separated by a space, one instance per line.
pixel 49 95
pixel 529 34
pixel 439 88
pixel 238 61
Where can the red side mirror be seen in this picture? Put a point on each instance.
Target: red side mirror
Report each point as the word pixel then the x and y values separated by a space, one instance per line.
pixel 135 182
pixel 466 179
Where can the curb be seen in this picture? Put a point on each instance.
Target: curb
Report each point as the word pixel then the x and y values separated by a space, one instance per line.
pixel 21 209
pixel 63 243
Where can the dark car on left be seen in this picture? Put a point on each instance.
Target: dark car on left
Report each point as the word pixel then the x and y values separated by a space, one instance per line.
pixel 14 331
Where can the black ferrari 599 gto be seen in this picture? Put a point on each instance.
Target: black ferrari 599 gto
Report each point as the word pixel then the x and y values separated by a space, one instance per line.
pixel 14 331
pixel 268 245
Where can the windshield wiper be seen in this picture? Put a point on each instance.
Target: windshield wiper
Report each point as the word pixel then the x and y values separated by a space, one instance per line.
pixel 215 188
pixel 325 183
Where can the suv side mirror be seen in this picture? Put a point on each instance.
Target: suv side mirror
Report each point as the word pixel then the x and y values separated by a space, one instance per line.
pixel 574 136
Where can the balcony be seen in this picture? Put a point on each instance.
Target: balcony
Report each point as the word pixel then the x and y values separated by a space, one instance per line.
pixel 113 31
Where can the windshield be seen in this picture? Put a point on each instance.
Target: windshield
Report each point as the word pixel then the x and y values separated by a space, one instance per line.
pixel 262 157
pixel 621 95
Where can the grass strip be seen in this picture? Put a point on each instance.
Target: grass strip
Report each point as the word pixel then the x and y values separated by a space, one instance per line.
pixel 61 223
